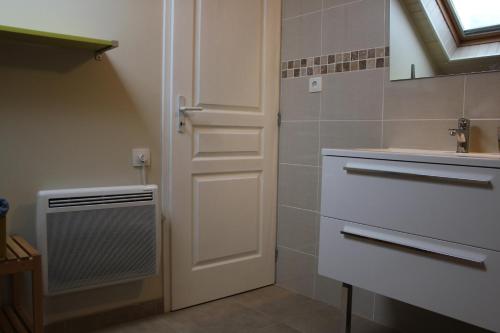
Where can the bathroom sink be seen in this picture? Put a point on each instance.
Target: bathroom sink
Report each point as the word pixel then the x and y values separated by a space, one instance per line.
pixel 421 155
pixel 435 153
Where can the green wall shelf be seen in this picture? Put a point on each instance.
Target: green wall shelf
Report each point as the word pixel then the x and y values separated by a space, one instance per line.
pixel 98 46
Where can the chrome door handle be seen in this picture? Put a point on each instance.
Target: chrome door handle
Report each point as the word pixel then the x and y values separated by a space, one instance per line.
pixel 182 110
pixel 192 108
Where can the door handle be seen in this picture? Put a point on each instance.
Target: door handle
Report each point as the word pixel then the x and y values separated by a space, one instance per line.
pixel 192 108
pixel 182 110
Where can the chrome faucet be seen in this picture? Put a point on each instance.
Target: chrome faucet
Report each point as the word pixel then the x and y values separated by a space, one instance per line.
pixel 462 133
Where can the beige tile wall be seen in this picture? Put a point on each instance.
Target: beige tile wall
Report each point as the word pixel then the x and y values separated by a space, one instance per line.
pixel 360 109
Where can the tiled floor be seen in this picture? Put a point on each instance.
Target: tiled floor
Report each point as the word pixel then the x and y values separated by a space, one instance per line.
pixel 266 310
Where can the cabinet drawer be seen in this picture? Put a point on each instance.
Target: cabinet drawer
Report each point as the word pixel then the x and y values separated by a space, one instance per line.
pixel 454 203
pixel 452 279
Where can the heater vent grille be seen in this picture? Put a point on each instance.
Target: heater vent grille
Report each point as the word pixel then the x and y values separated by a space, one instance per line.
pixel 100 199
pixel 97 247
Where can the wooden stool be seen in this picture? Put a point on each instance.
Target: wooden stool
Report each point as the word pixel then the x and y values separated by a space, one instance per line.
pixel 22 257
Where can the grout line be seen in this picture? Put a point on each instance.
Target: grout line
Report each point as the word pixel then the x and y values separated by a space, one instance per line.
pixel 384 74
pixel 300 165
pixel 411 120
pixel 318 182
pixel 296 251
pixel 384 77
pixel 320 95
pixel 299 121
pixel 464 96
pixel 302 209
pixel 383 107
pixel 343 4
pixel 352 120
pixel 302 15
pixel 321 28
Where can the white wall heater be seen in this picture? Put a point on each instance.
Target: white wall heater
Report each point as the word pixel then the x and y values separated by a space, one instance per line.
pixel 95 237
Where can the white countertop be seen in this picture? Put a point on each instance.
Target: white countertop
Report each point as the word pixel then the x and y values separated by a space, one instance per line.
pixel 419 155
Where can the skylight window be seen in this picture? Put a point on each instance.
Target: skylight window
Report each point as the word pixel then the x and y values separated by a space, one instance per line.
pixel 476 16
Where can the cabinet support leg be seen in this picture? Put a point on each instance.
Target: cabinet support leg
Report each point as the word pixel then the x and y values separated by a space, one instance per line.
pixel 347 306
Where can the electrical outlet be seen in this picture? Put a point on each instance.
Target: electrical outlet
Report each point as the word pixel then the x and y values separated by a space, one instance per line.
pixel 139 155
pixel 315 84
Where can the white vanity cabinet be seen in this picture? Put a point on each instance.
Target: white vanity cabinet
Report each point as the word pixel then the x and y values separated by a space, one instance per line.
pixel 420 228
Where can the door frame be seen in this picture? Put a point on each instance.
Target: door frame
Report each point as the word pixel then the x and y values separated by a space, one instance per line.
pixel 166 158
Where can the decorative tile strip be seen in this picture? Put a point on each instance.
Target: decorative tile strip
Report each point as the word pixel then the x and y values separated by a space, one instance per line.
pixel 352 61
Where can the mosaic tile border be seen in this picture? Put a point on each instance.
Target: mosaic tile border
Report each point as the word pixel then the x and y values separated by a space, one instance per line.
pixel 351 61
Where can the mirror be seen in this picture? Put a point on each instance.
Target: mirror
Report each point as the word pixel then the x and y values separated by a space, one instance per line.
pixel 443 37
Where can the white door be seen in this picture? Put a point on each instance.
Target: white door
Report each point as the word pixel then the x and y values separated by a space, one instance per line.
pixel 225 60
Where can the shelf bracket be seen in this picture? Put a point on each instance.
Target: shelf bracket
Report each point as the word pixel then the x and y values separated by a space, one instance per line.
pixel 98 55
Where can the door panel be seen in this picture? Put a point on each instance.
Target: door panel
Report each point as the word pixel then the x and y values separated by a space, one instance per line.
pixel 210 142
pixel 224 162
pixel 229 48
pixel 226 205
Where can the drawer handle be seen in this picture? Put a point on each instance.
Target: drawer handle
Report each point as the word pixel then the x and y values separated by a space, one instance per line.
pixel 460 177
pixel 476 258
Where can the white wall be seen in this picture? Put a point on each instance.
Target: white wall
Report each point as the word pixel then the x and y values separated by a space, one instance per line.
pixel 406 46
pixel 69 121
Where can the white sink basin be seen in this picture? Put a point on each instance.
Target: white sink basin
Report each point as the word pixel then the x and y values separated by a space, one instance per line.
pixel 425 152
pixel 421 155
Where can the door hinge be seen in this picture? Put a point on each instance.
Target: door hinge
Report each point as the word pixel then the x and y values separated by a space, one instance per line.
pixel 279 119
pixel 276 254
